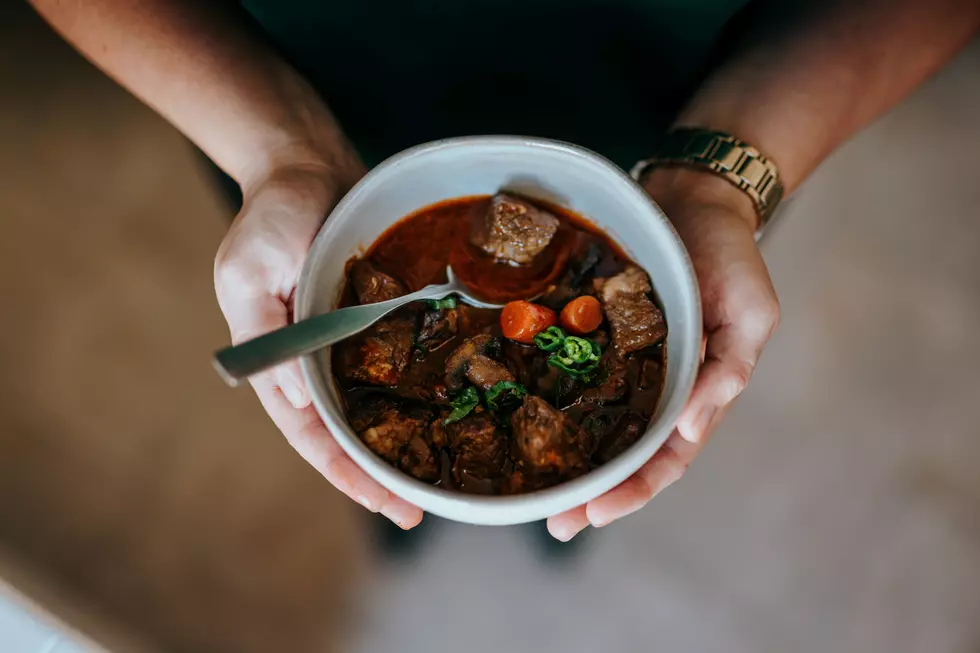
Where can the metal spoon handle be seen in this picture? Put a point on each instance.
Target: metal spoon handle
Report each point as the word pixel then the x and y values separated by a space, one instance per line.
pixel 241 361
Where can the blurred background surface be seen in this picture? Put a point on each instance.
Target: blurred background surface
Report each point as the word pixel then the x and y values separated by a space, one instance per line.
pixel 150 508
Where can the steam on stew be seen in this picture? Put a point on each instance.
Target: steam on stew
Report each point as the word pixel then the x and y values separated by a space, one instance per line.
pixel 498 402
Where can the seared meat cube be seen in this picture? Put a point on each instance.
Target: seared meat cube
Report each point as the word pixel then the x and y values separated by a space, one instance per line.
pixel 547 440
pixel 651 374
pixel 396 432
pixel 628 430
pixel 513 230
pixel 636 321
pixel 485 373
pixel 614 384
pixel 480 450
pixel 515 483
pixel 438 327
pixel 458 363
pixel 380 356
pixel 371 285
pixel 420 459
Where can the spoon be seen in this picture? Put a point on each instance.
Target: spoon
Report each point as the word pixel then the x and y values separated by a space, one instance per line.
pixel 242 361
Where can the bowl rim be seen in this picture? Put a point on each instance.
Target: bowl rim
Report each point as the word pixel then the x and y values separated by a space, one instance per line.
pixel 500 509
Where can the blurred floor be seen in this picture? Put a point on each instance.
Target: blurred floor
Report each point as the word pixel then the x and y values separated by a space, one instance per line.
pixel 133 484
pixel 837 509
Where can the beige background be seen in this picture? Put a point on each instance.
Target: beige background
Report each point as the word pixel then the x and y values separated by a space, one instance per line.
pixel 151 507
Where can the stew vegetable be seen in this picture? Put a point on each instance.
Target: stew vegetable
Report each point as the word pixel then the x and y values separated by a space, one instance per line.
pixel 502 401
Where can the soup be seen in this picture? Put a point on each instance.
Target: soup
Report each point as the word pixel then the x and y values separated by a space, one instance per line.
pixel 493 401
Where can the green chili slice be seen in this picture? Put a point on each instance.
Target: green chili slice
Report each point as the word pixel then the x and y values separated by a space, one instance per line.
pixel 550 339
pixel 577 356
pixel 441 304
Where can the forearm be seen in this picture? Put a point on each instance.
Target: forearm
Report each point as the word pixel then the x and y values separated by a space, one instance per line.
pixel 800 89
pixel 202 67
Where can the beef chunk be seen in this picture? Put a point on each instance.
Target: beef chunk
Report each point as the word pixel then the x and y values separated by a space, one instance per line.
pixel 380 355
pixel 651 374
pixel 517 482
pixel 513 230
pixel 420 459
pixel 480 452
pixel 613 374
pixel 458 363
pixel 485 373
pixel 371 285
pixel 627 430
pixel 438 327
pixel 636 322
pixel 547 440
pixel 396 432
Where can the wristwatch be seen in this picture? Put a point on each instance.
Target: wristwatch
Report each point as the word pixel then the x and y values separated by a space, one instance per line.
pixel 732 159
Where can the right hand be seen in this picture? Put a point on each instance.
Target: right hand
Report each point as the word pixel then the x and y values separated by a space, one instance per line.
pixel 255 275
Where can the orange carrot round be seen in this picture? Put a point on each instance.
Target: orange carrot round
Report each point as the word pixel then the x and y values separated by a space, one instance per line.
pixel 582 315
pixel 521 320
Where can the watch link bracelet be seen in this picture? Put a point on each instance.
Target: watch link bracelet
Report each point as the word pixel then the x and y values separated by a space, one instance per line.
pixel 733 159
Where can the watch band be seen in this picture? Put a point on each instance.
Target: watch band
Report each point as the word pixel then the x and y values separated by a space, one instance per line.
pixel 733 159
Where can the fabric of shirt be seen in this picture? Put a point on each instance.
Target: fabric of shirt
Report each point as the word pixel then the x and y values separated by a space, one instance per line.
pixel 605 74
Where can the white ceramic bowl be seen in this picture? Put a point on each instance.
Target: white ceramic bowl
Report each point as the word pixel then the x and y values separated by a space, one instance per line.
pixel 565 174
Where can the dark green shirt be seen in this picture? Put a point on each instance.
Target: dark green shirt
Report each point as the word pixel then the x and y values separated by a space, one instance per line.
pixel 606 74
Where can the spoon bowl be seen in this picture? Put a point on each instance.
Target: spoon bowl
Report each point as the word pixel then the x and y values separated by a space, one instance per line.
pixel 463 293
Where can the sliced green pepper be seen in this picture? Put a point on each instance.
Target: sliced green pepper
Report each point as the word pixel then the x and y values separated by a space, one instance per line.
pixel 550 339
pixel 577 356
pixel 444 303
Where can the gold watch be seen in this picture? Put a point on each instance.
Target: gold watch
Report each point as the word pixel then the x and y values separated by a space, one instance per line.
pixel 733 159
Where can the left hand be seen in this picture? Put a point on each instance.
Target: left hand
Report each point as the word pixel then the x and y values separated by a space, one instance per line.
pixel 255 272
pixel 717 223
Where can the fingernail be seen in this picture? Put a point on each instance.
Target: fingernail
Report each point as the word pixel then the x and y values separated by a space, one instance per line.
pixel 293 388
pixel 403 515
pixel 564 532
pixel 367 502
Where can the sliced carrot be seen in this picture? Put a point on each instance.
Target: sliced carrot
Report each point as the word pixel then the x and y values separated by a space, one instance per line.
pixel 582 315
pixel 521 320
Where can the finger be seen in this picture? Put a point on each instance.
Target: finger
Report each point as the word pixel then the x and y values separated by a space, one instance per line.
pixel 731 354
pixel 666 467
pixel 566 525
pixel 305 431
pixel 251 314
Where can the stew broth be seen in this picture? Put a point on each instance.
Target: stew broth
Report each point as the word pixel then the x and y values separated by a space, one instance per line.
pixel 610 411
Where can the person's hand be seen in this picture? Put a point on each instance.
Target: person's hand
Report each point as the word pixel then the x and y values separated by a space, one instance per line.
pixel 717 222
pixel 255 275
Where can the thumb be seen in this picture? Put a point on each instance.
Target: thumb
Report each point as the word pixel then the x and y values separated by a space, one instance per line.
pixel 289 378
pixel 253 316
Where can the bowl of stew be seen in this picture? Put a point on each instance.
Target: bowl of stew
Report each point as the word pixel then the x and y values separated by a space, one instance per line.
pixel 506 415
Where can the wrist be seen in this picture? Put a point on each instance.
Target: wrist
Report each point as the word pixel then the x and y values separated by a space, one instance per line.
pixel 681 189
pixel 324 173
